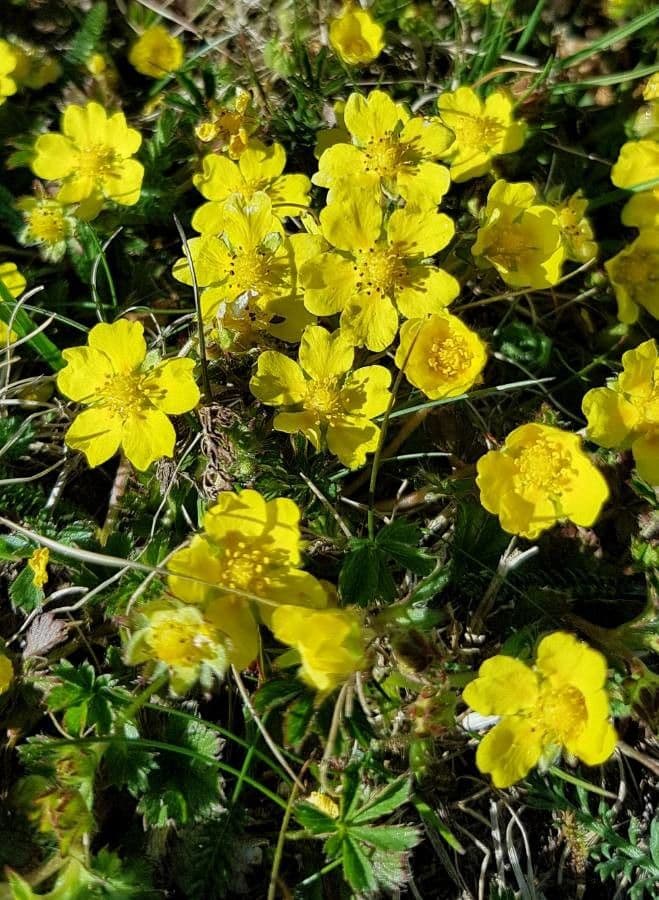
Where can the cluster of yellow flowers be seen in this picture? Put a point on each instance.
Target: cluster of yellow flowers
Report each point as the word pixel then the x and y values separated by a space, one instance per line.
pixel 241 571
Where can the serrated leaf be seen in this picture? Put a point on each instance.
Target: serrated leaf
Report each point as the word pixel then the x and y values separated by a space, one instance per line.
pixel 384 802
pixel 359 579
pixel 276 692
pixel 24 594
pixel 400 540
pixel 89 34
pixel 396 838
pixel 350 792
pixel 357 867
pixel 654 841
pixel 314 819
pixel 298 719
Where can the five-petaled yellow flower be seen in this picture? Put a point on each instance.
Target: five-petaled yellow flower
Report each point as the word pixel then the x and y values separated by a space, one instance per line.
pixel 390 150
pixel 330 643
pixel 559 703
pixel 38 563
pixel 369 276
pixel 128 403
pixel 483 130
pixel 245 563
pixel 156 52
pixel 11 279
pixel 177 636
pixel 248 260
pixel 259 168
pixel 520 237
pixel 440 355
pixel 634 275
pixel 625 414
pixel 92 158
pixel 6 673
pixel 355 35
pixel 539 477
pixel 8 63
pixel 321 399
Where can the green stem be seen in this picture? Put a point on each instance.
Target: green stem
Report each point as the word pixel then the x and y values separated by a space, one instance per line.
pixel 579 782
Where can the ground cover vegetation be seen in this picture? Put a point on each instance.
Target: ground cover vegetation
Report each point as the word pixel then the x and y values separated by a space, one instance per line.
pixel 329 429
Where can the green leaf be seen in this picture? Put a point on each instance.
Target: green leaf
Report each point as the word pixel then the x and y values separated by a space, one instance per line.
pixel 357 867
pixel 360 576
pixel 276 692
pixel 23 592
pixel 298 719
pixel 385 801
pixel 89 34
pixel 23 325
pixel 350 792
pixel 88 700
pixel 396 838
pixel 654 841
pixel 400 540
pixel 314 819
pixel 523 344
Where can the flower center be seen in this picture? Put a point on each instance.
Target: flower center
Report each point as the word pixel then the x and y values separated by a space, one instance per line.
pixel 125 393
pixel 378 270
pixel 384 156
pixel 47 224
pixel 323 399
pixel 249 271
pixel 97 159
pixel 564 712
pixel 450 356
pixel 510 244
pixel 638 269
pixel 247 563
pixel 543 467
pixel 180 643
pixel 481 133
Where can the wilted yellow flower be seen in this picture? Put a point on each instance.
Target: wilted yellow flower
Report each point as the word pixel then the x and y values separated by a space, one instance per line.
pixel 482 129
pixel 441 356
pixel 633 274
pixel 625 413
pixel 520 237
pixel 38 562
pixel 248 258
pixel 178 636
pixel 249 551
pixel 92 159
pixel 322 401
pixel 129 404
pixel 12 279
pixel 369 277
pixel 34 69
pixel 8 63
pixel 390 149
pixel 324 803
pixel 230 125
pixel 539 477
pixel 259 168
pixel 330 642
pixel 576 230
pixel 48 225
pixel 559 703
pixel 355 35
pixel 6 673
pixel 156 52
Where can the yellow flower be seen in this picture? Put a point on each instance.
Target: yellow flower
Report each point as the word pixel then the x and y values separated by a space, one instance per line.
pixel 520 237
pixel 92 158
pixel 38 562
pixel 8 63
pixel 633 274
pixel 249 551
pixel 560 703
pixel 259 168
pixel 34 69
pixel 249 258
pixel 625 414
pixel 156 52
pixel 483 130
pixel 441 356
pixel 128 403
pixel 330 643
pixel 178 636
pixel 229 125
pixel 11 279
pixel 540 476
pixel 390 149
pixel 321 400
pixel 355 35
pixel 642 210
pixel 576 230
pixel 6 673
pixel 651 89
pixel 48 225
pixel 369 278
pixel 637 163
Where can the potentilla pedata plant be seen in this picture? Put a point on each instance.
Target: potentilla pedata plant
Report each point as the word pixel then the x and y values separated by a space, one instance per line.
pixel 329 428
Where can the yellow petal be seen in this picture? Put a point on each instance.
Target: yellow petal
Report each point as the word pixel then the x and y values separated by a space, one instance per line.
pixel 646 456
pixel 610 416
pixel 124 185
pixel 261 163
pixel 370 321
pixel 278 381
pixel 424 185
pixel 428 138
pixel 419 232
pixel 351 439
pixel 234 620
pixel 366 391
pixel 55 157
pixel 328 280
pixel 147 436
pixel 122 342
pixel 171 386
pixel 219 177
pixel 85 374
pixel 509 751
pixel 97 433
pixel 504 686
pixel 429 290
pixel 86 125
pixel 341 161
pixel 372 117
pixel 566 660
pixel 305 423
pixel 353 223
pixel 324 355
